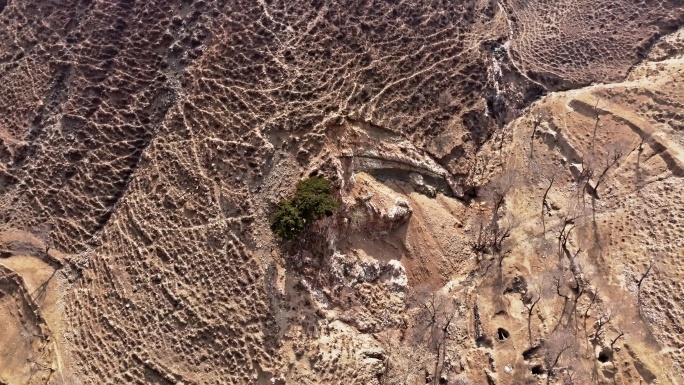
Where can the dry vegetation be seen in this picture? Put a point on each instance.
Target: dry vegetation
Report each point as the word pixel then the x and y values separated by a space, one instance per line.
pixel 493 228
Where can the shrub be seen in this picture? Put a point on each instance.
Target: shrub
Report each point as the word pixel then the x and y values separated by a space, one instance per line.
pixel 287 222
pixel 312 200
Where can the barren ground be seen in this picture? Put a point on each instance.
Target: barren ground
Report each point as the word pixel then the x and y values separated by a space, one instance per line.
pixel 145 144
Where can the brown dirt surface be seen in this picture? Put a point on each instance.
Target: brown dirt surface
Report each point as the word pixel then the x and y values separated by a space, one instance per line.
pixel 637 212
pixel 144 146
pixel 568 43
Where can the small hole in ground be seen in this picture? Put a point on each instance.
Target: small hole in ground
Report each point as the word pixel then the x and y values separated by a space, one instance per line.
pixel 502 334
pixel 529 353
pixel 537 370
pixel 605 355
pixel 484 341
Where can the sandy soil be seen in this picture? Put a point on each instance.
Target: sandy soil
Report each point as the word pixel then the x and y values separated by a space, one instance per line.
pixel 144 145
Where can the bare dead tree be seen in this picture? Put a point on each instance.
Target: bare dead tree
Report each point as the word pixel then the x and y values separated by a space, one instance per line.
pixel 545 205
pixel 584 178
pixel 643 139
pixel 603 320
pixel 542 115
pixel 621 334
pixel 575 266
pixel 641 281
pixel 598 118
pixel 502 114
pixel 594 296
pixel 43 233
pixel 482 232
pixel 41 291
pixel 530 309
pixel 434 320
pixel 611 159
pixel 491 238
pixel 530 301
pixel 585 316
pixel 564 228
pixel 502 232
pixel 405 361
pixel 595 168
pixel 570 284
pixel 575 374
pixel 649 268
pixel 579 285
pixel 559 284
pixel 546 173
pixel 535 125
pixel 38 367
pixel 568 224
pixel 496 191
pixel 499 109
pixel 491 234
pixel 558 343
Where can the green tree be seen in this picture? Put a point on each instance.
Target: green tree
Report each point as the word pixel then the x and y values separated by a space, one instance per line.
pixel 313 200
pixel 287 222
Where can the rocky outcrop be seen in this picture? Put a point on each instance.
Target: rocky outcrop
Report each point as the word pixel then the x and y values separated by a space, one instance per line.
pixel 385 155
pixel 376 208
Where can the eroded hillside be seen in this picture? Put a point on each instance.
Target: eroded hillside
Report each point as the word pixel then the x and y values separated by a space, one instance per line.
pixel 503 219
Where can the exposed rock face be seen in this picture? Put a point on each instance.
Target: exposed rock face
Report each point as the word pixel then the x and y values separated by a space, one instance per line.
pixel 377 208
pixel 380 287
pixel 339 356
pixel 387 155
pixel 144 143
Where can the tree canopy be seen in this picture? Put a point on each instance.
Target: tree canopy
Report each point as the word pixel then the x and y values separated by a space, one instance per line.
pixel 313 200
